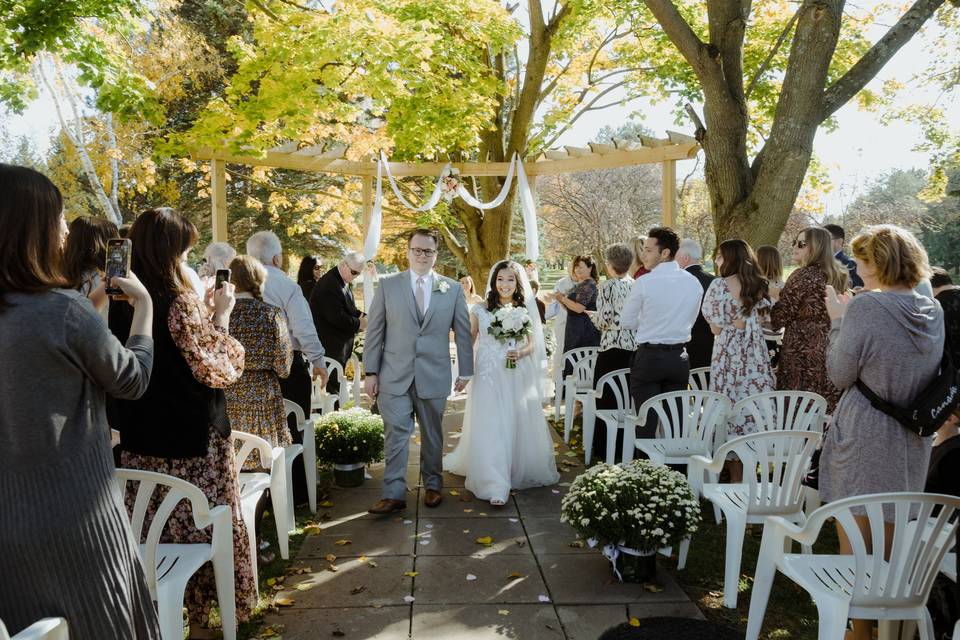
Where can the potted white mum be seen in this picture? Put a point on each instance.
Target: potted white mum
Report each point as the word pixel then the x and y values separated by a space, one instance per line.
pixel 349 440
pixel 632 509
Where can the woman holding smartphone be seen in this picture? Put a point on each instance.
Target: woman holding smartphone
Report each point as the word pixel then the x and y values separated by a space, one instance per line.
pixel 179 426
pixel 67 546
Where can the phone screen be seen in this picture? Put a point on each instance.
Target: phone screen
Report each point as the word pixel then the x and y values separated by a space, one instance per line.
pixel 118 262
pixel 223 275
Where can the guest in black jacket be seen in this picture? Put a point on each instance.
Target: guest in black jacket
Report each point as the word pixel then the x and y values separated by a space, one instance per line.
pixel 335 313
pixel 700 347
pixel 839 238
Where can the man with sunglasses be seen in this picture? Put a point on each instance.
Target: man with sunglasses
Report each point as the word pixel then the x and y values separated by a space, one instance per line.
pixel 335 312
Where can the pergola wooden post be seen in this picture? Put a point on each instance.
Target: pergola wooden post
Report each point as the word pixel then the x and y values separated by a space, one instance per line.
pixel 618 153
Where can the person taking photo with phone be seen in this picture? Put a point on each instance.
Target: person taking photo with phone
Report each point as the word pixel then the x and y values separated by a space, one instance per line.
pixel 179 426
pixel 67 546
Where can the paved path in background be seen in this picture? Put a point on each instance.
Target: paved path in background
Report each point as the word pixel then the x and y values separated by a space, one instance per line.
pixel 422 575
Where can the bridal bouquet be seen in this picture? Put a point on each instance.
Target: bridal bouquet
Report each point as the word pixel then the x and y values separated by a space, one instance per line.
pixel 510 324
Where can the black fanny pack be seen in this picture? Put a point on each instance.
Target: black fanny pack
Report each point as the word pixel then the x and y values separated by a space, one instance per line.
pixel 930 409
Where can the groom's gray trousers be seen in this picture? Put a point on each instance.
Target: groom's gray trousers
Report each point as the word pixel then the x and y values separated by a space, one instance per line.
pixel 398 413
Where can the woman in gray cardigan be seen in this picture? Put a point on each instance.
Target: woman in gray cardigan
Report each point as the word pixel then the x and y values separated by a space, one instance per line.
pixel 891 338
pixel 66 545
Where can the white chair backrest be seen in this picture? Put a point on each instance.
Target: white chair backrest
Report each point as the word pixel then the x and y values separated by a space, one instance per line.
pixel 924 530
pixel 249 444
pixel 699 379
pixel 147 484
pixel 289 406
pixel 45 629
pixel 774 464
pixel 573 356
pixel 783 410
pixel 617 383
pixel 687 414
pixel 583 369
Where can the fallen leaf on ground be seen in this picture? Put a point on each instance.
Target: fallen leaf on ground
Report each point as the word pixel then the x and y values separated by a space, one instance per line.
pixel 271 582
pixel 283 602
pixel 516 575
pixel 305 586
pixel 468 510
pixel 372 564
pixel 408 599
pixel 504 612
pixel 482 513
pixel 471 577
pixel 311 529
pixel 466 530
pixel 333 568
pixel 634 622
pixel 653 588
pixel 543 598
pixel 520 542
pixel 454 492
pixel 410 574
pixel 326 504
pixel 424 543
pixel 565 484
pixel 342 543
pixel 336 633
pixel 362 559
pixel 408 522
pixel 577 544
pixel 278 587
pixel 330 557
pixel 485 540
pixel 357 589
pixel 466 498
pixel 571 454
pixel 555 491
pixel 514 519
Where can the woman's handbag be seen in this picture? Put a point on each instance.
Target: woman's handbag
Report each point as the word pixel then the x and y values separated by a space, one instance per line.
pixel 930 409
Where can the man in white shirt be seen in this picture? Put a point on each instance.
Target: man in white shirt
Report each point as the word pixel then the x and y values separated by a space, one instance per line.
pixel 280 291
pixel 661 308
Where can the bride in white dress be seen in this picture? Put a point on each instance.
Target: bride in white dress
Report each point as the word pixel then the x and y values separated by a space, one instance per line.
pixel 505 443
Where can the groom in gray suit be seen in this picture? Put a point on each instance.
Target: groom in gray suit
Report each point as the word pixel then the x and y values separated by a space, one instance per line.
pixel 406 359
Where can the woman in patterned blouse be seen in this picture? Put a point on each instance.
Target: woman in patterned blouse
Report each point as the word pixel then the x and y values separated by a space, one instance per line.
pixel 580 331
pixel 196 359
pixel 617 345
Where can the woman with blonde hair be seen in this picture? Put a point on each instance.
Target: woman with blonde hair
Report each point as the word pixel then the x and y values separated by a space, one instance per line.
pixel 800 310
pixel 636 267
pixel 872 336
pixel 470 291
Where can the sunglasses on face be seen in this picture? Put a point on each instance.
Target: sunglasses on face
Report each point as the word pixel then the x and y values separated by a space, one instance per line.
pixel 420 253
pixel 799 244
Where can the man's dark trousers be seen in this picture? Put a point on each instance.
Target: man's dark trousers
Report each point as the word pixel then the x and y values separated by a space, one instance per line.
pixel 656 369
pixel 298 388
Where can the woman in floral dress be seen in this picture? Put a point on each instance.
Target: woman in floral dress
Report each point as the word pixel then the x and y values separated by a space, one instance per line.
pixel 255 401
pixel 733 305
pixel 801 310
pixel 179 426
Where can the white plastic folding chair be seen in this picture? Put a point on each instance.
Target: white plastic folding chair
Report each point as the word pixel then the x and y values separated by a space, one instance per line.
pixel 578 387
pixel 253 484
pixel 46 629
pixel 699 379
pixel 570 357
pixel 322 402
pixel 862 585
pixel 616 384
pixel 783 410
pixel 168 567
pixel 309 452
pixel 689 423
pixel 774 463
pixel 357 386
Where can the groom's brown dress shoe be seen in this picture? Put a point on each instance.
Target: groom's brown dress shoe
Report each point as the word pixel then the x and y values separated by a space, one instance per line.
pixel 387 506
pixel 432 498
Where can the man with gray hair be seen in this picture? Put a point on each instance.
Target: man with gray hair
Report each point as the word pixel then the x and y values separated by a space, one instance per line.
pixel 700 347
pixel 335 312
pixel 280 291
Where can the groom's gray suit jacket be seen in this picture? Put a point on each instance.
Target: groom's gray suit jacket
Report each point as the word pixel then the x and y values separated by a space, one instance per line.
pixel 401 350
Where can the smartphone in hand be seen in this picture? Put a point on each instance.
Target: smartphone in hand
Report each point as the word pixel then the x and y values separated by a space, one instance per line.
pixel 223 275
pixel 118 263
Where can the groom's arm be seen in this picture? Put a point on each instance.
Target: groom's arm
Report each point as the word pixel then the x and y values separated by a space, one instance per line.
pixel 463 336
pixel 375 331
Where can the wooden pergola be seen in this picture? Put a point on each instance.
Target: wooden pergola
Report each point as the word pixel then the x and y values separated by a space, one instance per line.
pixel 620 152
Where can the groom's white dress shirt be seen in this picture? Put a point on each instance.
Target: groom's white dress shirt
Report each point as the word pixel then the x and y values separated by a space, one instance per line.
pixel 427 287
pixel 663 305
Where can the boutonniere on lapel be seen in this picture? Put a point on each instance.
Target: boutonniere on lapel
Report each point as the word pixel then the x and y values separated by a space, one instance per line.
pixel 442 286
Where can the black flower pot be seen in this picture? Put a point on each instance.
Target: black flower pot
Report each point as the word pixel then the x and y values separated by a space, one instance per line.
pixel 638 569
pixel 348 475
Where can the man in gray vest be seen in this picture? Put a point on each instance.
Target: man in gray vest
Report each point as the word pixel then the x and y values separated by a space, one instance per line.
pixel 406 359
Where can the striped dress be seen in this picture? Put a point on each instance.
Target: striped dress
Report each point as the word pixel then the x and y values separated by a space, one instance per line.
pixel 65 542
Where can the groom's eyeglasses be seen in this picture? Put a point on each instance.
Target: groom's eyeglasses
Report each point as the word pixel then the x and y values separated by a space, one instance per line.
pixel 420 253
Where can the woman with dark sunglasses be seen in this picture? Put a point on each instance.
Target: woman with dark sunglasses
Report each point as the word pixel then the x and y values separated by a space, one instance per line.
pixel 800 309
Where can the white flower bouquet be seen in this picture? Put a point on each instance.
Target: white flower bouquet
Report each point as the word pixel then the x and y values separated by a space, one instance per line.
pixel 635 508
pixel 510 324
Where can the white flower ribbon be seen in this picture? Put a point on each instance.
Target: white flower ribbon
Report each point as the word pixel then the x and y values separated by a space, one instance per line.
pixel 612 551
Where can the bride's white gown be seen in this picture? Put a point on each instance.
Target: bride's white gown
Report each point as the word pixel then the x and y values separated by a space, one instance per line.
pixel 505 441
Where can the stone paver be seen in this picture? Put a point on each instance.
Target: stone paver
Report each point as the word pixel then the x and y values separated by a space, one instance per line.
pixel 528 583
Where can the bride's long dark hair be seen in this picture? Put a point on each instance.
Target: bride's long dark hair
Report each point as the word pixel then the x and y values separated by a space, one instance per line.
pixel 493 297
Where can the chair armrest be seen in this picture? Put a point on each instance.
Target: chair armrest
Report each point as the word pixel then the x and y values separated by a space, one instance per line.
pixel 715 464
pixel 782 527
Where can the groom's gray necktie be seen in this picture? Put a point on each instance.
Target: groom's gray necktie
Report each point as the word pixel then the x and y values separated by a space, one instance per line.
pixel 418 295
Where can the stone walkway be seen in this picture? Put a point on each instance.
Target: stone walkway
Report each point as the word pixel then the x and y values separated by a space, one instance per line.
pixel 423 575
